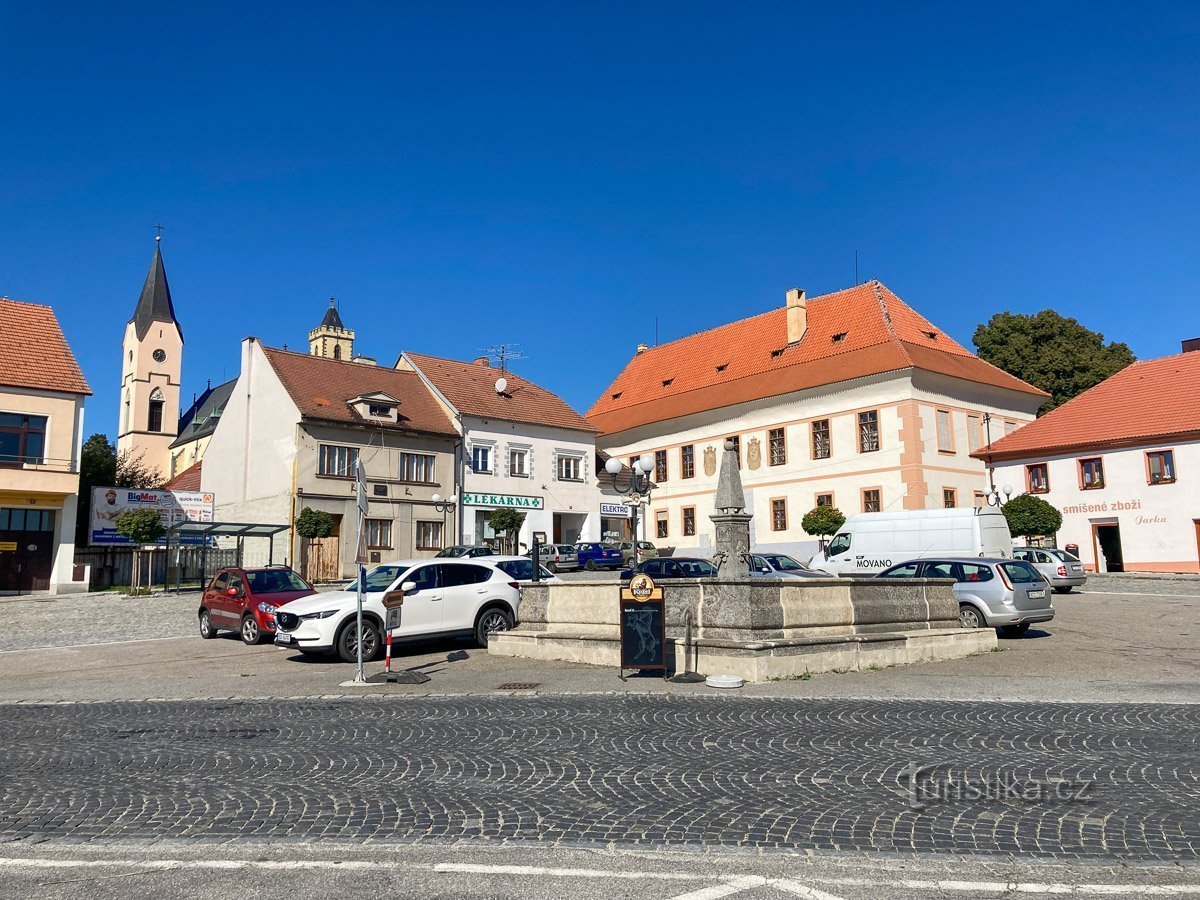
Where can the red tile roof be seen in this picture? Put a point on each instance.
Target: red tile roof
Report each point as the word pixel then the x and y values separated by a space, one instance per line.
pixel 1144 403
pixel 187 480
pixel 33 351
pixel 471 389
pixel 323 388
pixel 864 330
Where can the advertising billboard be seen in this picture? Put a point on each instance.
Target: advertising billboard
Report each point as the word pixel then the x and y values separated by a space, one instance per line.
pixel 172 506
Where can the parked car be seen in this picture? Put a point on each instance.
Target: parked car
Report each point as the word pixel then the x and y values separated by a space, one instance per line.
pixel 593 556
pixel 779 565
pixel 1008 594
pixel 1058 567
pixel 871 542
pixel 645 550
pixel 466 551
pixel 521 569
pixel 442 598
pixel 558 557
pixel 246 600
pixel 673 567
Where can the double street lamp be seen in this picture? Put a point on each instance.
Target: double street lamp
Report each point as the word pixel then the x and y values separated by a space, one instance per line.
pixel 444 507
pixel 638 489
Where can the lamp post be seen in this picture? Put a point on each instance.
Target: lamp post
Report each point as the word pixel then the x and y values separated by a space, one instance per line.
pixel 444 507
pixel 636 491
pixel 993 496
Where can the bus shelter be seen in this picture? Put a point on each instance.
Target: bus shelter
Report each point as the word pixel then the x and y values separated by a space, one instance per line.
pixel 197 556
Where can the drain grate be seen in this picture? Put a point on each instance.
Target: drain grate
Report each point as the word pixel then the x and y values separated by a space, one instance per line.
pixel 519 686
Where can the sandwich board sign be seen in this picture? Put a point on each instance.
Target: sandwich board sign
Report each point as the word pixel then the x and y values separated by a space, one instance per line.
pixel 643 625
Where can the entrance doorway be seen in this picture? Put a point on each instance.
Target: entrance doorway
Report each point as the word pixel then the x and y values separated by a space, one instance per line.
pixel 1106 542
pixel 568 527
pixel 26 549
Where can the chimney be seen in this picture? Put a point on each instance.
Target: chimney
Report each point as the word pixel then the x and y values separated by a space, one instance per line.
pixel 642 348
pixel 797 315
pixel 481 361
pixel 1190 346
pixel 364 360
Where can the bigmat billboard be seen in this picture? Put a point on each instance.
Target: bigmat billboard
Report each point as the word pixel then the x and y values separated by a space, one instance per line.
pixel 172 506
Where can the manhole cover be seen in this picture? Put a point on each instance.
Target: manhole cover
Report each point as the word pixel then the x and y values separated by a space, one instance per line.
pixel 519 686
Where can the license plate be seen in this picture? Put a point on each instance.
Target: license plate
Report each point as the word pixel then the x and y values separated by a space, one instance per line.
pixel 1037 595
pixel 1076 568
pixel 283 638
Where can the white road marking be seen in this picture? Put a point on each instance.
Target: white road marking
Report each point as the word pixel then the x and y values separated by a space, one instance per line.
pixel 1027 887
pixel 800 890
pixel 184 637
pixel 543 871
pixel 730 887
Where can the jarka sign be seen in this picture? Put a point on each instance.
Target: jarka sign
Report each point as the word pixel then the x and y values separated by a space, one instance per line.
pixel 516 501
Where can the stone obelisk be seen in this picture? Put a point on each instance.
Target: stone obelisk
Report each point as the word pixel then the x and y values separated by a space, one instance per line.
pixel 731 521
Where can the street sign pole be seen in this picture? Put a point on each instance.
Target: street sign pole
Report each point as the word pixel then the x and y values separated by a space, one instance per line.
pixel 360 496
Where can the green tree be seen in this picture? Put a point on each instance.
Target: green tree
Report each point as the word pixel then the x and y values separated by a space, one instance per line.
pixel 1030 516
pixel 822 521
pixel 1050 351
pixel 311 525
pixel 139 526
pixel 507 522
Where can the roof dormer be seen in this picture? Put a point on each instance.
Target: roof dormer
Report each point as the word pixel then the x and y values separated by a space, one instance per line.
pixel 376 406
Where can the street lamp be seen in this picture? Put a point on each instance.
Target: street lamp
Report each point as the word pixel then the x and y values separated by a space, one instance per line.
pixel 636 491
pixel 443 508
pixel 993 498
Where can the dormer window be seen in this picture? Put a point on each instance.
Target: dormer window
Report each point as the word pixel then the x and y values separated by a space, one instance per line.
pixel 667 382
pixel 379 411
pixel 722 367
pixel 775 354
pixel 839 337
pixel 378 407
pixel 932 335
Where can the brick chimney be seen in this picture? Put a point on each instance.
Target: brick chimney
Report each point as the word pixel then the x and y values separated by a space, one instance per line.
pixel 797 315
pixel 1190 346
pixel 642 348
pixel 482 361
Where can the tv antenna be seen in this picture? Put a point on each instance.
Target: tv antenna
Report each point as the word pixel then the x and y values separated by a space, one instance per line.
pixel 503 354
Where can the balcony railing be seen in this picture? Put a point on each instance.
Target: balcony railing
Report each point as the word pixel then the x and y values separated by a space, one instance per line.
pixel 44 464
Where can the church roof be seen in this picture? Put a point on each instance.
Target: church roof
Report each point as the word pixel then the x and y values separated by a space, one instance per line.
pixel 203 416
pixel 154 304
pixel 332 318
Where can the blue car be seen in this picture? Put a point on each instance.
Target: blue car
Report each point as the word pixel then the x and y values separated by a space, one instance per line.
pixel 599 556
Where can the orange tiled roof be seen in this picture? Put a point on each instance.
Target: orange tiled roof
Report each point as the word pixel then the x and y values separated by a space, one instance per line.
pixel 751 358
pixel 1144 403
pixel 187 480
pixel 33 351
pixel 323 388
pixel 471 389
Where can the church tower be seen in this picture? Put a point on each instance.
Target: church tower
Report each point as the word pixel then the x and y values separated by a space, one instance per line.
pixel 331 339
pixel 151 363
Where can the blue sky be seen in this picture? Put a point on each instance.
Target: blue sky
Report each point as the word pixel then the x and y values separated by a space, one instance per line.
pixel 563 175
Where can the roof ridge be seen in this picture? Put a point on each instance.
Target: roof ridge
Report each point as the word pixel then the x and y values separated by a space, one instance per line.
pixel 26 303
pixel 327 359
pixel 887 320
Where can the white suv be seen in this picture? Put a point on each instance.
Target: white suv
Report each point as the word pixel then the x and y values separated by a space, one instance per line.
pixel 442 598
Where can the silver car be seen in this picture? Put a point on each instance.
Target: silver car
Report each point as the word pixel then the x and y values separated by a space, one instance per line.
pixel 559 557
pixel 778 565
pixel 645 550
pixel 1058 567
pixel 1009 594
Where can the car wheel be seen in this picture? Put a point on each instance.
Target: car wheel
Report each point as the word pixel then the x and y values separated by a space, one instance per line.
pixel 1063 590
pixel 590 565
pixel 490 622
pixel 553 567
pixel 970 617
pixel 251 633
pixel 207 631
pixel 347 648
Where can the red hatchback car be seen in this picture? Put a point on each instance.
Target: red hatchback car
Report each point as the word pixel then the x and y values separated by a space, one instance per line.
pixel 245 600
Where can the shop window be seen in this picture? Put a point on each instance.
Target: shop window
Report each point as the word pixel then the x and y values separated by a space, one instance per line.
pixel 1160 465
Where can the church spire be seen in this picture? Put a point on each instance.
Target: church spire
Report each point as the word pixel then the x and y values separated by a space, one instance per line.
pixel 154 304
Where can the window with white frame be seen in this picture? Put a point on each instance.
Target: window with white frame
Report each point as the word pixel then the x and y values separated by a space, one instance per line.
pixel 481 459
pixel 570 467
pixel 518 462
pixel 337 461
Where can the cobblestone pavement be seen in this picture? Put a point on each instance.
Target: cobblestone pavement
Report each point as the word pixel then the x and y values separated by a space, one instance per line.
pixel 33 622
pixel 617 771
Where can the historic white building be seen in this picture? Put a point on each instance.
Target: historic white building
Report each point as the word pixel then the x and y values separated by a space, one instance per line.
pixel 850 400
pixel 1121 462
pixel 522 447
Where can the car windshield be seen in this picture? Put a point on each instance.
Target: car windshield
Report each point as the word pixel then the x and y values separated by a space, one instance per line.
pixel 275 581
pixel 697 568
pixel 380 578
pixel 1021 572
pixel 783 563
pixel 453 552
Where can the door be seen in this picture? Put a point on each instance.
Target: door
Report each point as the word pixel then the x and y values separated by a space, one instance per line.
pixel 422 611
pixel 236 605
pixel 464 589
pixel 220 610
pixel 1107 539
pixel 27 536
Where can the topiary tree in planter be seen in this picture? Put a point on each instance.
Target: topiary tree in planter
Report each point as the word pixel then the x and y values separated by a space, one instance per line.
pixel 822 521
pixel 1030 516
pixel 139 526
pixel 507 522
pixel 311 525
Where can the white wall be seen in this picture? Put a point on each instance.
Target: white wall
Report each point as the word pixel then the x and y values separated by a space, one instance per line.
pixel 1157 522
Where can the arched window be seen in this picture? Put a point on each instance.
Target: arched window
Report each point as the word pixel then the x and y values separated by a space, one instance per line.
pixel 154 418
pixel 337 351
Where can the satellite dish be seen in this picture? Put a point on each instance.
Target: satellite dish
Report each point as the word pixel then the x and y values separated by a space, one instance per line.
pixel 501 385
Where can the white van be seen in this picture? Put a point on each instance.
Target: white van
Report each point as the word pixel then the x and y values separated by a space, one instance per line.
pixel 871 542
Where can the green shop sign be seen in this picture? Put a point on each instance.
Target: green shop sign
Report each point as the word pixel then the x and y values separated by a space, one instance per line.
pixel 514 500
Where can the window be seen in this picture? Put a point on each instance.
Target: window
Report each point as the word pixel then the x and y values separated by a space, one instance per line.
pixel 337 461
pixel 945 432
pixel 570 468
pixel 660 466
pixel 20 519
pixel 820 439
pixel 778 445
pixel 868 431
pixel 660 523
pixel 974 424
pixel 689 521
pixel 840 544
pixel 1037 478
pixel 379 411
pixel 1021 572
pixel 22 438
pixel 416 467
pixel 154 416
pixel 870 500
pixel 824 499
pixel 908 570
pixel 779 515
pixel 687 461
pixel 518 463
pixel 379 533
pixel 973 572
pixel 481 460
pixel 1009 427
pixel 458 574
pixel 1091 473
pixel 429 535
pixel 737 448
pixel 949 498
pixel 1160 466
pixel 938 570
